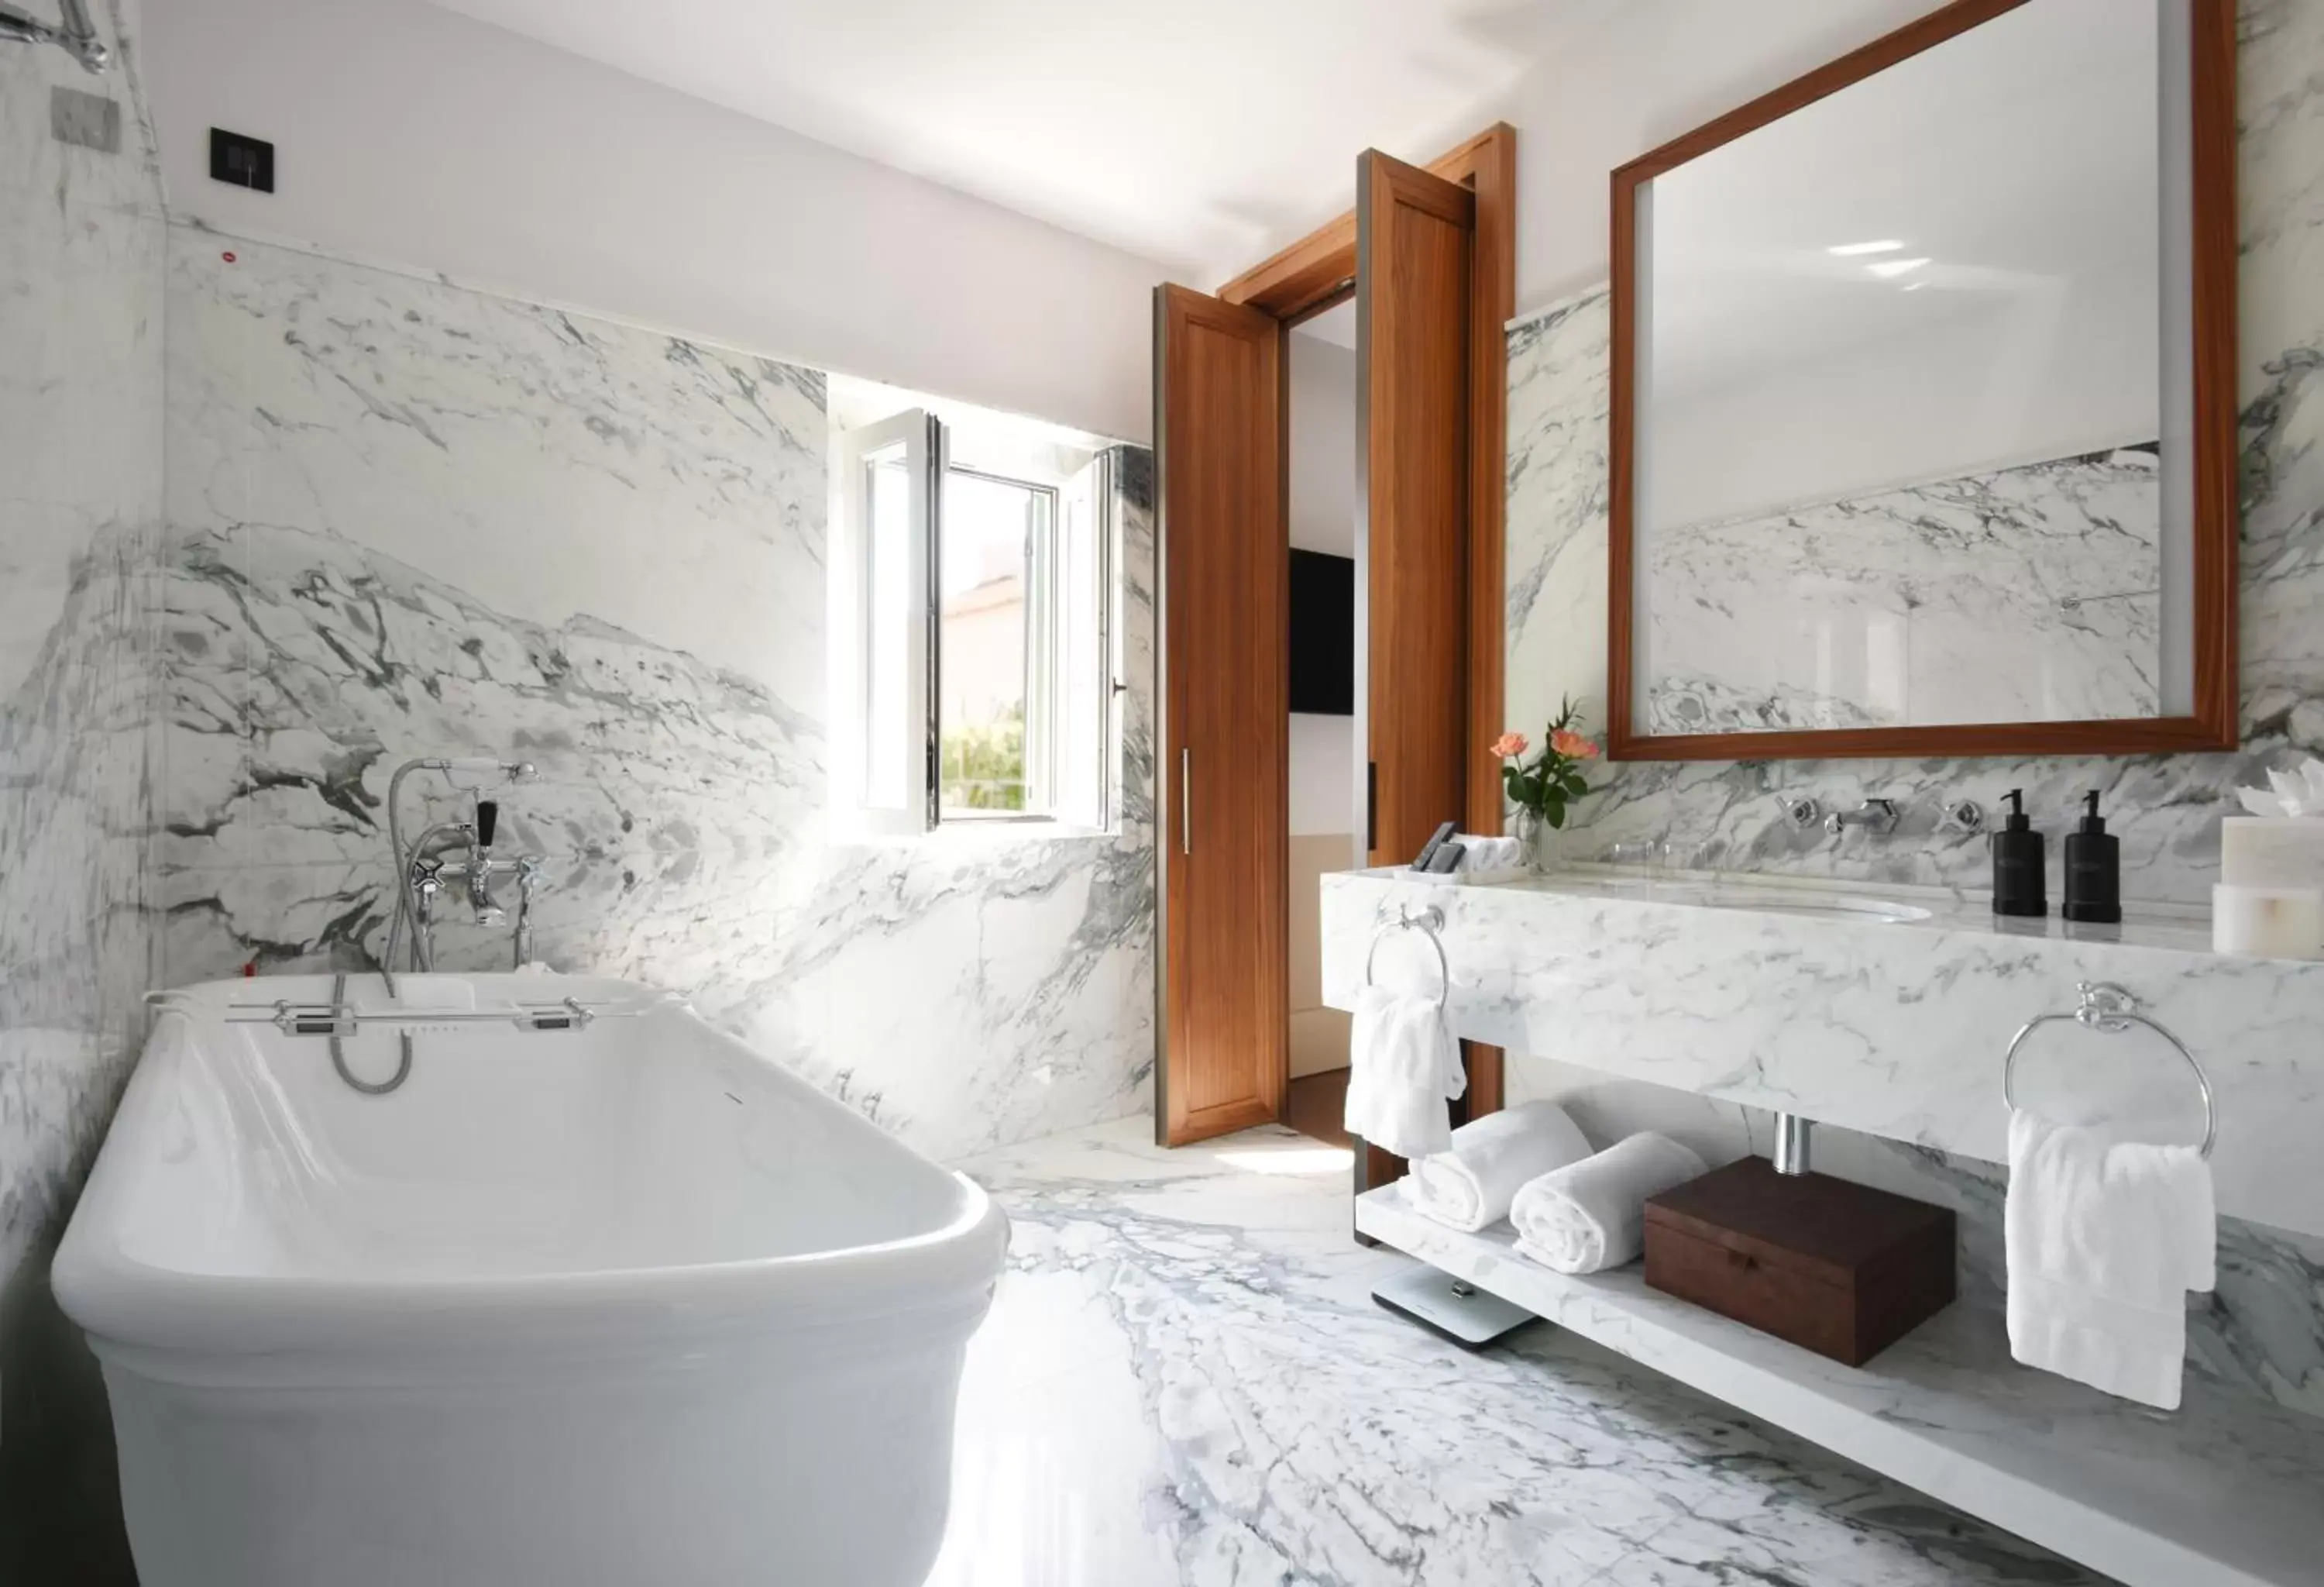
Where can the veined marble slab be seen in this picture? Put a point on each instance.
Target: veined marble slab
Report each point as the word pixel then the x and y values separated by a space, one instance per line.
pixel 1897 1030
pixel 2016 594
pixel 2222 1492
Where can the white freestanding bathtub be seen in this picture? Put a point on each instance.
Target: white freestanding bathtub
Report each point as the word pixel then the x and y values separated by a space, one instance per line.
pixel 622 1302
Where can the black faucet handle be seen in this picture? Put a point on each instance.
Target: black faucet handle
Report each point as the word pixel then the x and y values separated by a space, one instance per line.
pixel 488 816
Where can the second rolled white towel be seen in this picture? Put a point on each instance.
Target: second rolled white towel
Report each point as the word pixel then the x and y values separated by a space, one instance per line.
pixel 1472 1182
pixel 1591 1215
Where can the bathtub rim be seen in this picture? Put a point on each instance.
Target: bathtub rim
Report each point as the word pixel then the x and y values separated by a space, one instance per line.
pixel 124 1301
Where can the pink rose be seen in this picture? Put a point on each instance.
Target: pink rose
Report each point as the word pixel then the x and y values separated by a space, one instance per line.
pixel 1572 745
pixel 1510 745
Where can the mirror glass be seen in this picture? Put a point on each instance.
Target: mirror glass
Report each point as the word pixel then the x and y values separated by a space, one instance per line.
pixel 1912 406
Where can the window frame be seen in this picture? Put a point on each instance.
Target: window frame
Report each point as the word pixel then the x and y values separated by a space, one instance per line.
pixel 1041 617
pixel 859 725
pixel 1078 798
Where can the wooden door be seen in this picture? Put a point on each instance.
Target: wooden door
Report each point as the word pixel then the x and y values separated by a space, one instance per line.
pixel 1222 814
pixel 1415 247
pixel 1415 233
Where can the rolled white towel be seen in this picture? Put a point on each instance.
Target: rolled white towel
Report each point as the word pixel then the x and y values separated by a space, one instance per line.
pixel 1591 1215
pixel 1472 1182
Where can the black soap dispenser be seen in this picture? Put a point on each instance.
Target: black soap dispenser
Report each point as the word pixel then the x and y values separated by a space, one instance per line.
pixel 2019 867
pixel 2093 869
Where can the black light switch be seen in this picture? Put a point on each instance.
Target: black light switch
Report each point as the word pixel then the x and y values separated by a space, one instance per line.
pixel 245 161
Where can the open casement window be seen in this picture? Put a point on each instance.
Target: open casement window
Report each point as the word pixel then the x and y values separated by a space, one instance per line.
pixel 974 672
pixel 883 744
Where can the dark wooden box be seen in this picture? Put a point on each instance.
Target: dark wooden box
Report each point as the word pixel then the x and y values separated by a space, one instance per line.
pixel 1838 1269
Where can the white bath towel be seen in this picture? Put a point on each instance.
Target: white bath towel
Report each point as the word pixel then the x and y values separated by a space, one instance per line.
pixel 1591 1215
pixel 2104 1240
pixel 1403 1066
pixel 1472 1182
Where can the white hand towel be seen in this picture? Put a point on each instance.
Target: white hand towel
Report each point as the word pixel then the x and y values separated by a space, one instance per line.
pixel 1403 1066
pixel 1591 1215
pixel 1472 1184
pixel 2104 1240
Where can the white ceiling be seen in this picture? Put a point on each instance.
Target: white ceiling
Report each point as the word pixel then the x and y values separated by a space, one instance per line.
pixel 1336 326
pixel 1200 133
pixel 2005 171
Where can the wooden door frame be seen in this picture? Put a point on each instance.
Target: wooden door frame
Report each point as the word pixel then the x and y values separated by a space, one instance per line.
pixel 1318 272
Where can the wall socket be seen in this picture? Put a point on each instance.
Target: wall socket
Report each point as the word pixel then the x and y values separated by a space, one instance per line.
pixel 242 160
pixel 90 120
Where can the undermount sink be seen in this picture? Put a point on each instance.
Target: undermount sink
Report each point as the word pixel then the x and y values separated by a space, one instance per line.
pixel 1829 906
pixel 1708 893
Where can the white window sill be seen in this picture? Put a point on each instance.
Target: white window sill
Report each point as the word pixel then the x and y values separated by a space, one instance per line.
pixel 974 833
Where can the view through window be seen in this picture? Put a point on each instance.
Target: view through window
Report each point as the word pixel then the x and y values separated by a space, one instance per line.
pixel 995 536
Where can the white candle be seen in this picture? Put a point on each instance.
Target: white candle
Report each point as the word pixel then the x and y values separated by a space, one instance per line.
pixel 2272 851
pixel 2268 922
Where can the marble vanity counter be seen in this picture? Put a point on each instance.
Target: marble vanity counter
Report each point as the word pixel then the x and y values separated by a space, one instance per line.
pixel 1883 1009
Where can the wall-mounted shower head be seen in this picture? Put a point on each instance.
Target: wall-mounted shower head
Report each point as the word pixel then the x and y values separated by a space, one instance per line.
pixel 75 34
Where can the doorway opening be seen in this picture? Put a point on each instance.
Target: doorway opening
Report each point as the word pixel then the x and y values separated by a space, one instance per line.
pixel 1327 825
pixel 1425 265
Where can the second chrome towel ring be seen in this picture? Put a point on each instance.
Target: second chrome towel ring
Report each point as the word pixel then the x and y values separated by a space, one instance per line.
pixel 1428 922
pixel 2105 1007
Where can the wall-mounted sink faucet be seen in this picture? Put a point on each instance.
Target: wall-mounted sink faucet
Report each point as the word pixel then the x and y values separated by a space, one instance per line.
pixel 1876 817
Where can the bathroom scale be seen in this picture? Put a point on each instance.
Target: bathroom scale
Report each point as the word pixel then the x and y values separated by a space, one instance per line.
pixel 1452 1307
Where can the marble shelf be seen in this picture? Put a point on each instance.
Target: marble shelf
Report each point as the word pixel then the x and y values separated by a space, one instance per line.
pixel 2224 1491
pixel 1765 994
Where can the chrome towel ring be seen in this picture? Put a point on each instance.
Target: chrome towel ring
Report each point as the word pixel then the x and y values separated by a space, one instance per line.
pixel 1428 922
pixel 2106 1007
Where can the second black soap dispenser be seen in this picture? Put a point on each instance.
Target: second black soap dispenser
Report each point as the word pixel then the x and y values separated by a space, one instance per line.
pixel 2093 869
pixel 2019 865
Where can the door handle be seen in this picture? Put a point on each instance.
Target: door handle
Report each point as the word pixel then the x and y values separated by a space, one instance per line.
pixel 1185 801
pixel 1371 806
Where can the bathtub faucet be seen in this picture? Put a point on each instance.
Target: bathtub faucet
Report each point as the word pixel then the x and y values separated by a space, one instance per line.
pixel 436 861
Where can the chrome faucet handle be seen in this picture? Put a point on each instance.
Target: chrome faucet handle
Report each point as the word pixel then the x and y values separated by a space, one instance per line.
pixel 1963 815
pixel 1799 812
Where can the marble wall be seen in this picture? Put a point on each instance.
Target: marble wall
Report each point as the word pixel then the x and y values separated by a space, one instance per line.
pixel 80 504
pixel 2165 808
pixel 2264 1327
pixel 409 519
pixel 2015 595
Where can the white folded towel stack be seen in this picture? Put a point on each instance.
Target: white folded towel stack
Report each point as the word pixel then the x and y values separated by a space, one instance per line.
pixel 1403 1067
pixel 2104 1240
pixel 1591 1215
pixel 1472 1182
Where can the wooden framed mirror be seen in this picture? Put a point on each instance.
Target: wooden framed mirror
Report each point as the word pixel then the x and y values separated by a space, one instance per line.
pixel 1923 416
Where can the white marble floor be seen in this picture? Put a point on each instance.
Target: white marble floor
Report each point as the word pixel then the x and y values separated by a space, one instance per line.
pixel 1185 1380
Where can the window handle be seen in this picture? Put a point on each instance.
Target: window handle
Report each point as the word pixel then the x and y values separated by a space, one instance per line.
pixel 1186 800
